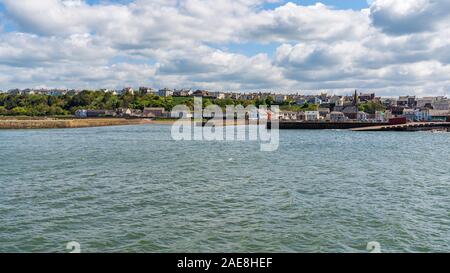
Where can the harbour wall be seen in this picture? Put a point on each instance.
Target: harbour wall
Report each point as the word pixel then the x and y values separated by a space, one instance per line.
pixel 323 125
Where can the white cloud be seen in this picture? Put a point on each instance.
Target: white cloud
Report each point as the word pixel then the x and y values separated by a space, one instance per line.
pixel 392 47
pixel 412 16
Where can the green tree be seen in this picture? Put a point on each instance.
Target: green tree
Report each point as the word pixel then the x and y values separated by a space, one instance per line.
pixel 19 111
pixel 371 107
pixel 3 111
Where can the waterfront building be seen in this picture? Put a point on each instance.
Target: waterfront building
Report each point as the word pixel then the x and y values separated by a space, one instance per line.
pixel 351 112
pixel 323 112
pixel 438 115
pixel 362 116
pixel 337 116
pixel 301 116
pixel 288 115
pixel 388 115
pixel 154 112
pixel 380 116
pixel 312 115
pixel 422 114
pixel 417 114
pixel 409 114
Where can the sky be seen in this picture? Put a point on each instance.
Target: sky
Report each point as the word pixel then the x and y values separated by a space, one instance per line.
pixel 391 47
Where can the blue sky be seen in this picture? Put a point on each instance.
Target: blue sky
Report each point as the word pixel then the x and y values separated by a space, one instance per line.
pixel 392 47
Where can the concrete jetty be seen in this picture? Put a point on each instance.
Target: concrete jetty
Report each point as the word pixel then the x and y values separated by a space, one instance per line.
pixel 322 125
pixel 408 127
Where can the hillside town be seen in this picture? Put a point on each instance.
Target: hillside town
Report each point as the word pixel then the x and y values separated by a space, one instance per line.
pixel 354 107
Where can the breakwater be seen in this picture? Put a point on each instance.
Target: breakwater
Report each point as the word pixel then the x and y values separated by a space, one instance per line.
pixel 302 125
pixel 409 127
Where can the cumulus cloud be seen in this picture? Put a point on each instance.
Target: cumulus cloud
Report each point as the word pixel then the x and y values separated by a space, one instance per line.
pixel 391 47
pixel 412 16
pixel 292 22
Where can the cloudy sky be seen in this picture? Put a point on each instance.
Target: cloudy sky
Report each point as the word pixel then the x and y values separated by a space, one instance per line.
pixel 389 46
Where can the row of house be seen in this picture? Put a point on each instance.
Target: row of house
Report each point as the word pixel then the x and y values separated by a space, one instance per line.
pixel 50 92
pixel 150 112
pixel 334 116
pixel 167 92
pixel 345 108
pixel 411 102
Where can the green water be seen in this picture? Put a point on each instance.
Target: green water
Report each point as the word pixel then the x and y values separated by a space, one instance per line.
pixel 133 189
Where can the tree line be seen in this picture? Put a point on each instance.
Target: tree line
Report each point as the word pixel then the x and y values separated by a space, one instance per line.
pixel 47 105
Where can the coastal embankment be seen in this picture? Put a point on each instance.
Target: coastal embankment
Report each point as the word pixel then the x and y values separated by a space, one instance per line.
pixel 409 127
pixel 302 125
pixel 49 123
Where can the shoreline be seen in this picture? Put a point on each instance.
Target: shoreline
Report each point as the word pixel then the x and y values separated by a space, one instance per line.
pixel 21 122
pixel 53 123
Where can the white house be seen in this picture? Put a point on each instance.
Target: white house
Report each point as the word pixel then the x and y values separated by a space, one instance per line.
pixel 312 115
pixel 288 115
pixel 362 116
pixel 166 92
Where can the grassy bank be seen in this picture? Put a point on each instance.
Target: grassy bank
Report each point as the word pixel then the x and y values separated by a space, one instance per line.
pixel 12 123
